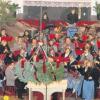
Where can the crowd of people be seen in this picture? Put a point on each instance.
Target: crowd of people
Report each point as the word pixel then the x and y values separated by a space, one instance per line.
pixel 79 55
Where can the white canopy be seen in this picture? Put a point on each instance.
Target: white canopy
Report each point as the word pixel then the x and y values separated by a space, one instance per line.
pixel 58 3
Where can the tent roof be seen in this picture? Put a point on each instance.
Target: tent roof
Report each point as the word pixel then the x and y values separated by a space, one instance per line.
pixel 58 3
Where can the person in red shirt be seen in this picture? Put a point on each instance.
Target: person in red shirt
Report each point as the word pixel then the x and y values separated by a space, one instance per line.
pixel 98 42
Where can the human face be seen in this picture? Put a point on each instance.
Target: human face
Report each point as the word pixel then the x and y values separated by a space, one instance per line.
pixel 50 59
pixel 51 43
pixel 99 52
pixel 26 33
pixel 20 40
pixel 3 32
pixel 89 64
pixel 34 42
pixel 34 57
pixel 68 41
pixel 86 51
pixel 73 11
pixel 57 36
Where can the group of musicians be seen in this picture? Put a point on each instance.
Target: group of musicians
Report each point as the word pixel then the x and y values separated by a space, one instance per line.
pixel 79 58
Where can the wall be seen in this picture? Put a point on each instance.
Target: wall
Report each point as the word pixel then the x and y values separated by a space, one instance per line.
pixel 20 2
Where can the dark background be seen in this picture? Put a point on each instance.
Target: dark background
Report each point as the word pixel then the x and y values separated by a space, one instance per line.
pixel 54 13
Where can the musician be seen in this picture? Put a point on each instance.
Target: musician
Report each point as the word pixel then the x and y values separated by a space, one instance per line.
pixel 21 42
pixel 69 44
pixel 34 47
pixel 86 55
pixel 27 40
pixel 52 46
pixel 4 47
pixel 73 76
pixel 97 70
pixel 58 29
pixel 98 59
pixel 88 88
pixel 24 73
pixel 57 45
pixel 66 54
pixel 3 32
pixel 10 75
pixel 71 64
pixel 78 44
pixel 27 35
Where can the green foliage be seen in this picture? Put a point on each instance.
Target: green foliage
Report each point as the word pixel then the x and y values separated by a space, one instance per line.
pixel 45 78
pixel 59 73
pixel 97 8
pixel 7 11
pixel 48 77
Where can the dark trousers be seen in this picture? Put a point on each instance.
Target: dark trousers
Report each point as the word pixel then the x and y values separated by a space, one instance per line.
pixel 20 88
pixel 54 96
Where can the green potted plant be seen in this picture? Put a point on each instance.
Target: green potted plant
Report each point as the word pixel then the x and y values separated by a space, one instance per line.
pixel 97 9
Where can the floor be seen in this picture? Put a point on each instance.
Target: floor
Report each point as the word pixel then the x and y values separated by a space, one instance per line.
pixel 35 98
pixel 39 96
pixel 15 98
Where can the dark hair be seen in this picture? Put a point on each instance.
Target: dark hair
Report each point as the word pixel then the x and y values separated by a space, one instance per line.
pixel 40 56
pixel 28 36
pixel 3 29
pixel 8 60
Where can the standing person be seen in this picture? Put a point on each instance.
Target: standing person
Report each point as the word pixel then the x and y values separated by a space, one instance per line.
pixel 27 40
pixel 72 17
pixel 10 77
pixel 2 79
pixel 24 73
pixel 88 82
pixel 86 55
pixel 96 72
pixel 20 80
pixel 45 17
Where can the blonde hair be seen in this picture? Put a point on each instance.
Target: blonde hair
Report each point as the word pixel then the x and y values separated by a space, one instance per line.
pixel 88 63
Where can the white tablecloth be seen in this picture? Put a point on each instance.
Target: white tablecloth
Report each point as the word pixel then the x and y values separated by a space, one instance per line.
pixel 49 89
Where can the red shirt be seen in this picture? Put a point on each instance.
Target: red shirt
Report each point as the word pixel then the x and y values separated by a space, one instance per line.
pixel 84 37
pixel 98 44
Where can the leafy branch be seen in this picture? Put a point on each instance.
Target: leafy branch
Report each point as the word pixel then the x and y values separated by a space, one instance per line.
pixel 97 8
pixel 7 12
